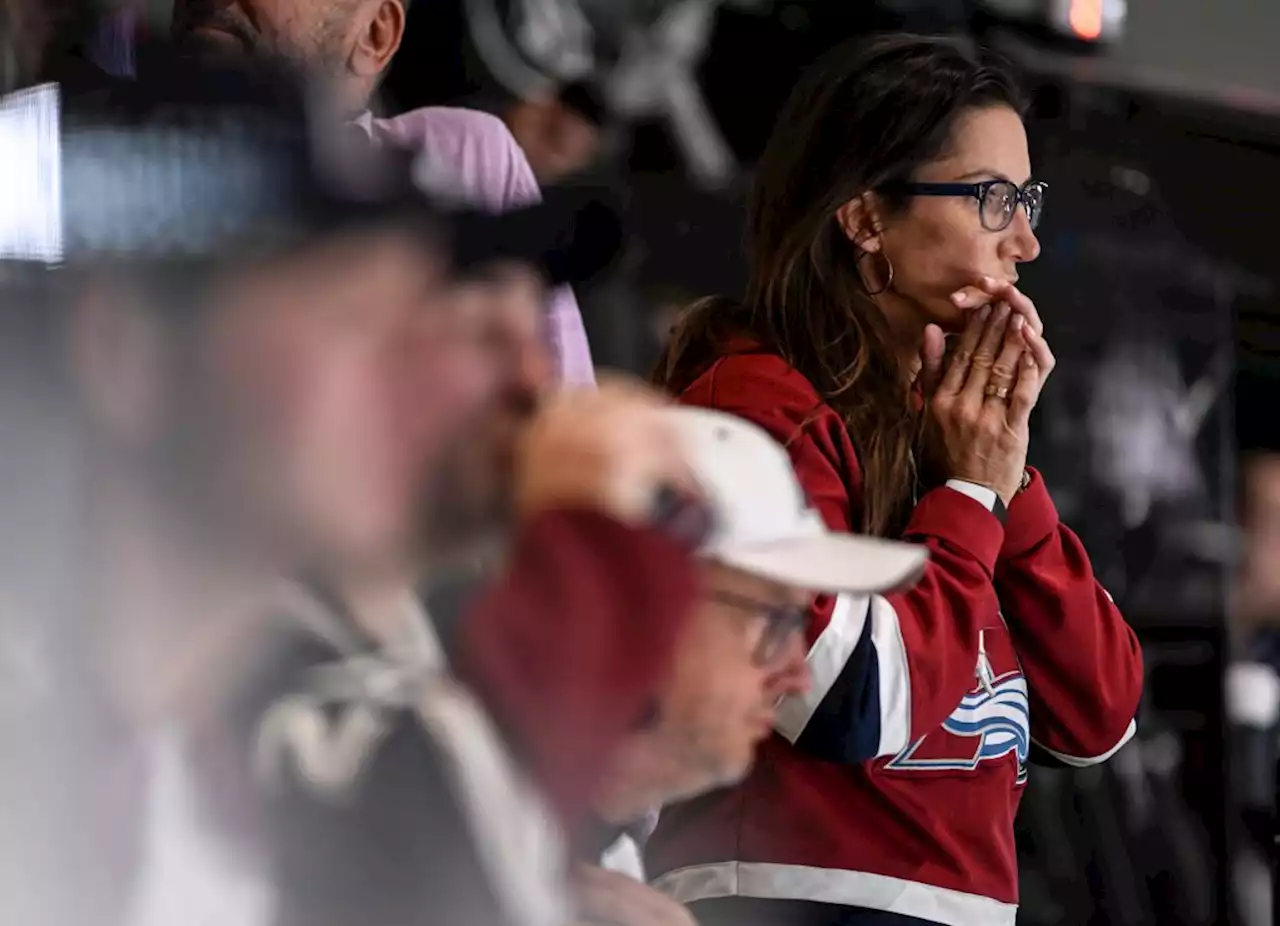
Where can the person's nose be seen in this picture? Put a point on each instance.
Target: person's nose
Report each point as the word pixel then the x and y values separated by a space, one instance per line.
pixel 1022 246
pixel 439 376
pixel 529 336
pixel 789 674
pixel 537 366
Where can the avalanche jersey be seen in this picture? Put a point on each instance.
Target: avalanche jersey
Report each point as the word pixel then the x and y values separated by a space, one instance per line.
pixel 893 783
pixel 991 721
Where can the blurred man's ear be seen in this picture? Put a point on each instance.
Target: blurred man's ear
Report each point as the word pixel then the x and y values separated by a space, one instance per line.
pixel 118 363
pixel 381 29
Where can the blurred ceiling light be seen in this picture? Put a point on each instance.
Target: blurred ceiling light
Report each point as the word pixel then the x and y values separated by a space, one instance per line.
pixel 1085 19
pixel 1091 21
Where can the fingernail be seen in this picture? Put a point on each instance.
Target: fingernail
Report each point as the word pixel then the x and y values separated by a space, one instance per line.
pixel 1029 333
pixel 959 298
pixel 985 313
pixel 1029 360
pixel 990 281
pixel 1004 310
pixel 1017 322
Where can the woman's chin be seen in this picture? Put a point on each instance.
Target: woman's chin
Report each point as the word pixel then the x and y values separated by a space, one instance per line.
pixel 908 316
pixel 949 317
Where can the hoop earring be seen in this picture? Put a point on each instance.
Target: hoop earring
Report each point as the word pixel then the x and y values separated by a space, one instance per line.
pixel 888 277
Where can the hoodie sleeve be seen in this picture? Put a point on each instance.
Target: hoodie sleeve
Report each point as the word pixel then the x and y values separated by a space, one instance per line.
pixel 1082 662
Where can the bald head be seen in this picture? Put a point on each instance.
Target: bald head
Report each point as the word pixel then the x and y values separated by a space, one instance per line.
pixel 347 43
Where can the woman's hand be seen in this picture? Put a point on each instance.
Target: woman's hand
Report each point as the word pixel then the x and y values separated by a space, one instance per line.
pixel 930 364
pixel 979 413
pixel 990 291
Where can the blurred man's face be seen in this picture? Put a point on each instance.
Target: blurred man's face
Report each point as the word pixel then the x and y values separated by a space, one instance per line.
pixel 308 32
pixel 557 141
pixel 507 305
pixel 333 383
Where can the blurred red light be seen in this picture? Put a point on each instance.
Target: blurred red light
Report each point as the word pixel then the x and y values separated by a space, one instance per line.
pixel 1085 18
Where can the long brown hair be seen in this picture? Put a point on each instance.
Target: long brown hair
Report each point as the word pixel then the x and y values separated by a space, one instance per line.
pixel 862 118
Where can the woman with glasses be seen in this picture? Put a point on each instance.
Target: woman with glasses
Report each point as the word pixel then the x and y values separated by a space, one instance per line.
pixel 891 210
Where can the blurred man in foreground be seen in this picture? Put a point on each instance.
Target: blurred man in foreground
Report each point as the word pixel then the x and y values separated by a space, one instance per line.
pixel 467 156
pixel 226 380
pixel 217 418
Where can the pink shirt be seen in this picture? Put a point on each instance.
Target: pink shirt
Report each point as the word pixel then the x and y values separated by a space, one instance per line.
pixel 476 154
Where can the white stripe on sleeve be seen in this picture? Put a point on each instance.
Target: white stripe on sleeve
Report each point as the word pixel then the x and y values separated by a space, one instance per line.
pixel 1086 761
pixel 830 654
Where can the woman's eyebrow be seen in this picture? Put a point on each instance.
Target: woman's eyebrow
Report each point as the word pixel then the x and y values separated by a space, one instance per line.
pixel 992 174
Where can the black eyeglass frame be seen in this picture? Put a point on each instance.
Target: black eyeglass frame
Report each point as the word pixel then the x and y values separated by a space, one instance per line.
pixel 980 191
pixel 781 621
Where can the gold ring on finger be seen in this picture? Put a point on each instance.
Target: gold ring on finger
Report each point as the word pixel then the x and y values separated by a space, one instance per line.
pixel 998 392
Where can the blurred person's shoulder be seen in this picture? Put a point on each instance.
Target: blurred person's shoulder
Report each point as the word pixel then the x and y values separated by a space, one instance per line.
pixel 469 150
pixel 386 788
pixel 364 823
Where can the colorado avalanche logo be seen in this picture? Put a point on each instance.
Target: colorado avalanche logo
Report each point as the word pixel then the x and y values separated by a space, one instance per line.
pixel 990 722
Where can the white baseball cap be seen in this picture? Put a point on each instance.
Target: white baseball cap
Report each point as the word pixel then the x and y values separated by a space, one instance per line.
pixel 762 522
